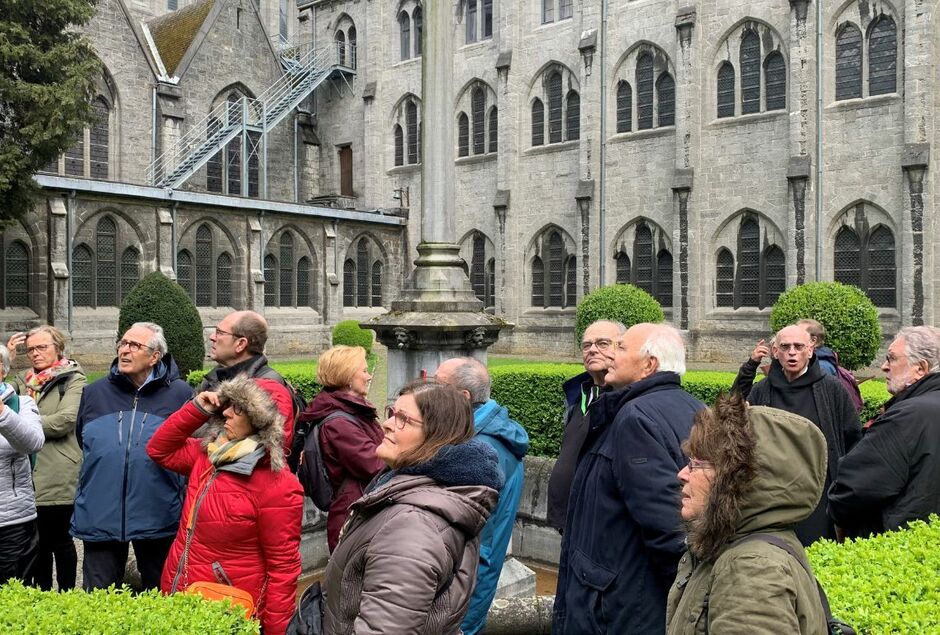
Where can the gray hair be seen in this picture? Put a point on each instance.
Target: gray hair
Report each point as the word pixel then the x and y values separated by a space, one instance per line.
pixel 666 345
pixel 923 344
pixel 157 340
pixel 5 360
pixel 621 329
pixel 472 376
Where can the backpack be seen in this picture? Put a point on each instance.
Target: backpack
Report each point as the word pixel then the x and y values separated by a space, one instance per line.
pixel 311 470
pixel 851 386
pixel 299 405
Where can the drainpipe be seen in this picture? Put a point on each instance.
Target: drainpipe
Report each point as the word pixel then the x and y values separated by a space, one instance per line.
pixel 296 162
pixel 69 204
pixel 819 138
pixel 173 235
pixel 153 126
pixel 602 173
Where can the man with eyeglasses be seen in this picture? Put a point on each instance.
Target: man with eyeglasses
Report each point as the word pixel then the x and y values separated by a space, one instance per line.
pixel 580 392
pixel 492 424
pixel 796 383
pixel 623 537
pixel 236 345
pixel 123 497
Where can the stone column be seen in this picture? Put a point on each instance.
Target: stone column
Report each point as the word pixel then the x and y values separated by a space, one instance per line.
pixel 584 196
pixel 687 123
pixel 682 192
pixel 165 246
pixel 500 207
pixel 255 299
pixel 801 80
pixel 914 163
pixel 798 176
pixel 58 262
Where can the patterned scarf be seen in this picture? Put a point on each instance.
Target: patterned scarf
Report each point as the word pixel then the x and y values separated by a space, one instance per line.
pixel 36 381
pixel 222 451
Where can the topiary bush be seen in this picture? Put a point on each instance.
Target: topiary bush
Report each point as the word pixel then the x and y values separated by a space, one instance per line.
pixel 158 299
pixel 850 318
pixel 116 612
pixel 620 302
pixel 349 333
pixel 885 584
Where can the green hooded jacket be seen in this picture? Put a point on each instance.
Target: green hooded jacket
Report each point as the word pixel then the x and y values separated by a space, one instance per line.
pixel 55 475
pixel 753 586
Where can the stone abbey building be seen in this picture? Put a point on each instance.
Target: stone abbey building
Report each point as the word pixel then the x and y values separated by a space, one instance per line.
pixel 673 145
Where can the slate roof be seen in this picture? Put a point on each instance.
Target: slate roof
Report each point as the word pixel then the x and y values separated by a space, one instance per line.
pixel 174 32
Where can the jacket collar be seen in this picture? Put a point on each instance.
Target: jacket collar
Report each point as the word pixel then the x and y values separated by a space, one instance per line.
pixel 928 383
pixel 610 403
pixel 575 386
pixel 161 375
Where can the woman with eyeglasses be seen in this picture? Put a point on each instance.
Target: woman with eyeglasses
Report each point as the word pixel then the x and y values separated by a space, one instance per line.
pixel 753 474
pixel 407 558
pixel 56 383
pixel 349 432
pixel 241 518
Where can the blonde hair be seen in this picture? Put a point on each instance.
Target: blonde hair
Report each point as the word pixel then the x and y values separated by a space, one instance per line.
pixel 338 365
pixel 58 338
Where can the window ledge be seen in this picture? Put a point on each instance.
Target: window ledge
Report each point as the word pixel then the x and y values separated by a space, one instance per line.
pixel 744 313
pixel 480 43
pixel 476 158
pixel 548 311
pixel 553 23
pixel 411 168
pixel 863 102
pixel 753 117
pixel 643 134
pixel 552 147
pixel 407 62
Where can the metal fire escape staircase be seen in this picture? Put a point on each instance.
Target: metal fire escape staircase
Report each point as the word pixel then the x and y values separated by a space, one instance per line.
pixel 305 68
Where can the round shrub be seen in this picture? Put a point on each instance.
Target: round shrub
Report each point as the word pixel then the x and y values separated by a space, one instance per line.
pixel 158 299
pixel 850 318
pixel 620 302
pixel 349 333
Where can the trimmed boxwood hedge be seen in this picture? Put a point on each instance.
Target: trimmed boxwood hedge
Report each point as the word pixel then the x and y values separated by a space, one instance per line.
pixel 301 375
pixel 885 584
pixel 116 612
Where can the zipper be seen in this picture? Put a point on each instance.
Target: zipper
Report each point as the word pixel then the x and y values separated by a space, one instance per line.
pixel 190 531
pixel 127 460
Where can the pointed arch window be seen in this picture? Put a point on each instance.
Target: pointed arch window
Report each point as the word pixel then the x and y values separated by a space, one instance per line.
pixel 725 90
pixel 489 291
pixel 341 47
pixel 130 270
pixel 538 282
pixel 399 145
pixel 750 72
pixel 477 108
pixel 477 267
pixel 463 135
pixel 538 122
pixel 494 130
pixel 16 275
pixel 882 56
pixel 349 283
pixel 419 30
pixel 623 267
pixel 847 257
pixel 99 140
pixel 756 276
pixel 556 272
pixel 470 21
pixel 775 73
pixel 558 286
pixel 573 116
pixel 553 90
pixel 352 46
pixel 665 100
pixel 376 283
pixel 82 285
pixel 184 272
pixel 362 273
pixel 233 151
pixel 774 275
pixel 287 269
pixel 663 279
pixel 571 281
pixel 644 92
pixel 724 287
pixel 643 258
pixel 848 62
pixel 106 262
pixel 270 280
pixel 203 265
pixel 404 30
pixel 867 261
pixel 748 274
pixel 223 280
pixel 411 122
pixel 303 282
pixel 624 106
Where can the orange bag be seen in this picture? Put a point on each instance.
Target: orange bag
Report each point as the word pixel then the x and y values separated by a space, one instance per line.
pixel 219 592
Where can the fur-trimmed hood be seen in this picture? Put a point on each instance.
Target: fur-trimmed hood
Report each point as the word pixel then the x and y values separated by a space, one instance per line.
pixel 267 404
pixel 788 462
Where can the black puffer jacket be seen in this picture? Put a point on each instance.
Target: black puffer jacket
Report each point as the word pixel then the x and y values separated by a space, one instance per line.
pixel 891 477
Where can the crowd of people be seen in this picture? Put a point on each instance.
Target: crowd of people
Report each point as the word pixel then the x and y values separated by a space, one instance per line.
pixel 674 517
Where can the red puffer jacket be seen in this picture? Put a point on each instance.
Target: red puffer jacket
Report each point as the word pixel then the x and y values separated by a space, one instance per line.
pixel 249 523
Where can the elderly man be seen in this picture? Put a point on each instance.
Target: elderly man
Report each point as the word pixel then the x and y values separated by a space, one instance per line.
pixel 511 442
pixel 797 384
pixel 123 497
pixel 892 475
pixel 237 346
pixel 622 539
pixel 581 392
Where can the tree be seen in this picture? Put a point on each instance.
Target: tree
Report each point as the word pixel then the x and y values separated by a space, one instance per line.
pixel 158 299
pixel 623 303
pixel 47 72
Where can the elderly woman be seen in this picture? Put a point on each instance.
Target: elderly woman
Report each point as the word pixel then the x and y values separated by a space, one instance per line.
pixel 242 514
pixel 349 433
pixel 20 436
pixel 56 384
pixel 753 473
pixel 408 556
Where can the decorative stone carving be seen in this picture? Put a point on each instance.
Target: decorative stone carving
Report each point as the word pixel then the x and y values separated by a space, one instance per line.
pixel 476 338
pixel 403 337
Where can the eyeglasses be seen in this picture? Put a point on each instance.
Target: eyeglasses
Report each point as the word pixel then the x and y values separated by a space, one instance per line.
pixel 131 346
pixel 798 347
pixel 41 348
pixel 400 417
pixel 602 344
pixel 220 332
pixel 236 408
pixel 695 464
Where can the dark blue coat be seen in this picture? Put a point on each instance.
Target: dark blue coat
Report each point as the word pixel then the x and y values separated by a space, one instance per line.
pixel 122 494
pixel 623 536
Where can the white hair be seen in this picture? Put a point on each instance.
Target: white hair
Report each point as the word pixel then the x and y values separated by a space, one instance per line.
pixel 665 344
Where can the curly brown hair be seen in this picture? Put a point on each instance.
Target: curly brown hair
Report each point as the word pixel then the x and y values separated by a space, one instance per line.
pixel 723 436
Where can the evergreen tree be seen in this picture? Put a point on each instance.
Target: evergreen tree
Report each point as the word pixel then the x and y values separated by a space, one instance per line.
pixel 47 72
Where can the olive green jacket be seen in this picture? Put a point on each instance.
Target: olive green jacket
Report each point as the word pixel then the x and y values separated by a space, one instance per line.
pixel 753 586
pixel 56 473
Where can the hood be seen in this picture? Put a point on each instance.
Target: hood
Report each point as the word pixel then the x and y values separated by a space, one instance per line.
pixel 826 354
pixel 493 420
pixel 329 400
pixel 788 460
pixel 778 379
pixel 460 484
pixel 165 372
pixel 268 405
pixel 574 387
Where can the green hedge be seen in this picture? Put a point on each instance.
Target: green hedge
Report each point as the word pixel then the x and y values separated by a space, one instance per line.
pixel 115 612
pixel 623 303
pixel 884 584
pixel 349 333
pixel 534 396
pixel 301 375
